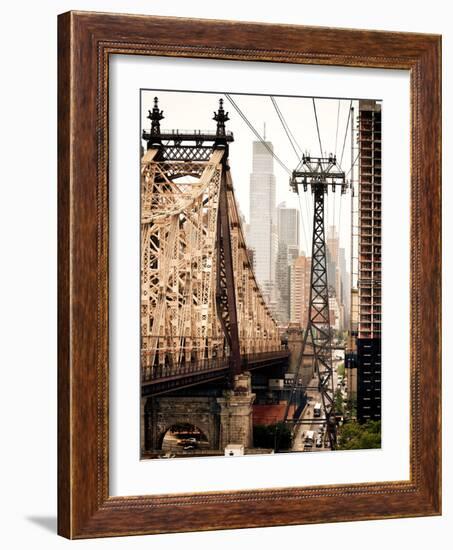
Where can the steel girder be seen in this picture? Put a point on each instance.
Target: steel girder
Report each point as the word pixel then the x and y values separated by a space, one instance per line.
pixel 184 275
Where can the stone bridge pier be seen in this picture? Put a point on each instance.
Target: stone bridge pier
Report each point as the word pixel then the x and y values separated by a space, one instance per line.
pixel 161 413
pixel 223 420
pixel 236 408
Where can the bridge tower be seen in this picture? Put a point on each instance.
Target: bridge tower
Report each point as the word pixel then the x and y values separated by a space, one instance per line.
pixel 225 290
pixel 203 316
pixel 317 174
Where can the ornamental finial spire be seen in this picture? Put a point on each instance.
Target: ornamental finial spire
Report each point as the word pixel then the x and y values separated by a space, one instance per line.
pixel 221 117
pixel 156 115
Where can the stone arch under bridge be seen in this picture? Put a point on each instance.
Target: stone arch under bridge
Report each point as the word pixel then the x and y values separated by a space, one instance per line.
pixel 161 413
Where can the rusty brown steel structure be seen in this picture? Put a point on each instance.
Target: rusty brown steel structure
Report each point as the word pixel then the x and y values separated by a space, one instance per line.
pixel 200 301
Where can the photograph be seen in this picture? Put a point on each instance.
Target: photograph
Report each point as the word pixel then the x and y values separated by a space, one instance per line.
pixel 237 336
pixel 260 275
pixel 223 315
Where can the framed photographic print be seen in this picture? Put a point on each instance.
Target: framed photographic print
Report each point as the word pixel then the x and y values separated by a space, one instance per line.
pixel 249 275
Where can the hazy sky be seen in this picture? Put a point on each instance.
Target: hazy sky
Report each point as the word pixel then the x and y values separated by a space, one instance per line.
pixel 190 110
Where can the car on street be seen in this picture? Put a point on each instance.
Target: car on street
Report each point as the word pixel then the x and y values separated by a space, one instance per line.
pixel 187 441
pixel 309 439
pixel 317 410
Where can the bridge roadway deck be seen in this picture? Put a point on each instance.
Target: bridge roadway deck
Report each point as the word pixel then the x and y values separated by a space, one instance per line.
pixel 209 371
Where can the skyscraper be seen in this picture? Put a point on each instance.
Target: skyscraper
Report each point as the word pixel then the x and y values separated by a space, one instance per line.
pixel 300 271
pixel 345 285
pixel 262 233
pixel 283 284
pixel 369 263
pixel 333 242
pixel 336 274
pixel 288 225
pixel 288 249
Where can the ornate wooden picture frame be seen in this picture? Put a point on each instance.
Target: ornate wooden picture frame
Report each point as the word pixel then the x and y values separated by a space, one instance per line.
pixel 85 507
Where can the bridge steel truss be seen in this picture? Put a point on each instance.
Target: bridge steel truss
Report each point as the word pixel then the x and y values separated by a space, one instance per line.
pixel 201 307
pixel 318 173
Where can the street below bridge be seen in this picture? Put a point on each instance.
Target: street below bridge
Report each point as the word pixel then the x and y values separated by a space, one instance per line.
pixel 307 421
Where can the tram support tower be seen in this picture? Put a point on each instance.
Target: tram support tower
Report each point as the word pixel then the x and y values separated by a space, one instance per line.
pixel 318 174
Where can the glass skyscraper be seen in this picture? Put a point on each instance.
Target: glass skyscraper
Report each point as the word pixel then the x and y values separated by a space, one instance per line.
pixel 262 235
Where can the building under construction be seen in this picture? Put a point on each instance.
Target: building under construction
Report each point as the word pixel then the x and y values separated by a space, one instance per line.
pixel 368 351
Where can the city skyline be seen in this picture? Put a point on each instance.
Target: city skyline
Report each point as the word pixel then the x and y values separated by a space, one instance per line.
pixel 196 113
pixel 281 266
pixel 252 279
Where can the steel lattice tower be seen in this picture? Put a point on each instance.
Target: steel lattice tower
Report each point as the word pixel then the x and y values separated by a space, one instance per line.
pixel 318 173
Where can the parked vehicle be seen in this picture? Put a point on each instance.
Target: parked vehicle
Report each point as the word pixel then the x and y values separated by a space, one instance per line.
pixel 317 410
pixel 309 438
pixel 188 441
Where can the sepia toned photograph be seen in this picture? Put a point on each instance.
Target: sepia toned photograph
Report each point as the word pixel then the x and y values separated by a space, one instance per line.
pixel 222 310
pixel 260 313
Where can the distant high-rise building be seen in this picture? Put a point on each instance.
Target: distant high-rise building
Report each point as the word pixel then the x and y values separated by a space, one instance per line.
pixel 337 276
pixel 345 285
pixel 262 233
pixel 288 225
pixel 288 249
pixel 369 263
pixel 335 313
pixel 300 272
pixel 350 362
pixel 333 242
pixel 283 284
pixel 293 253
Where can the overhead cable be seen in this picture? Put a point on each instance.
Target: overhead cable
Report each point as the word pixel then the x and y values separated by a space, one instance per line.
pixel 250 125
